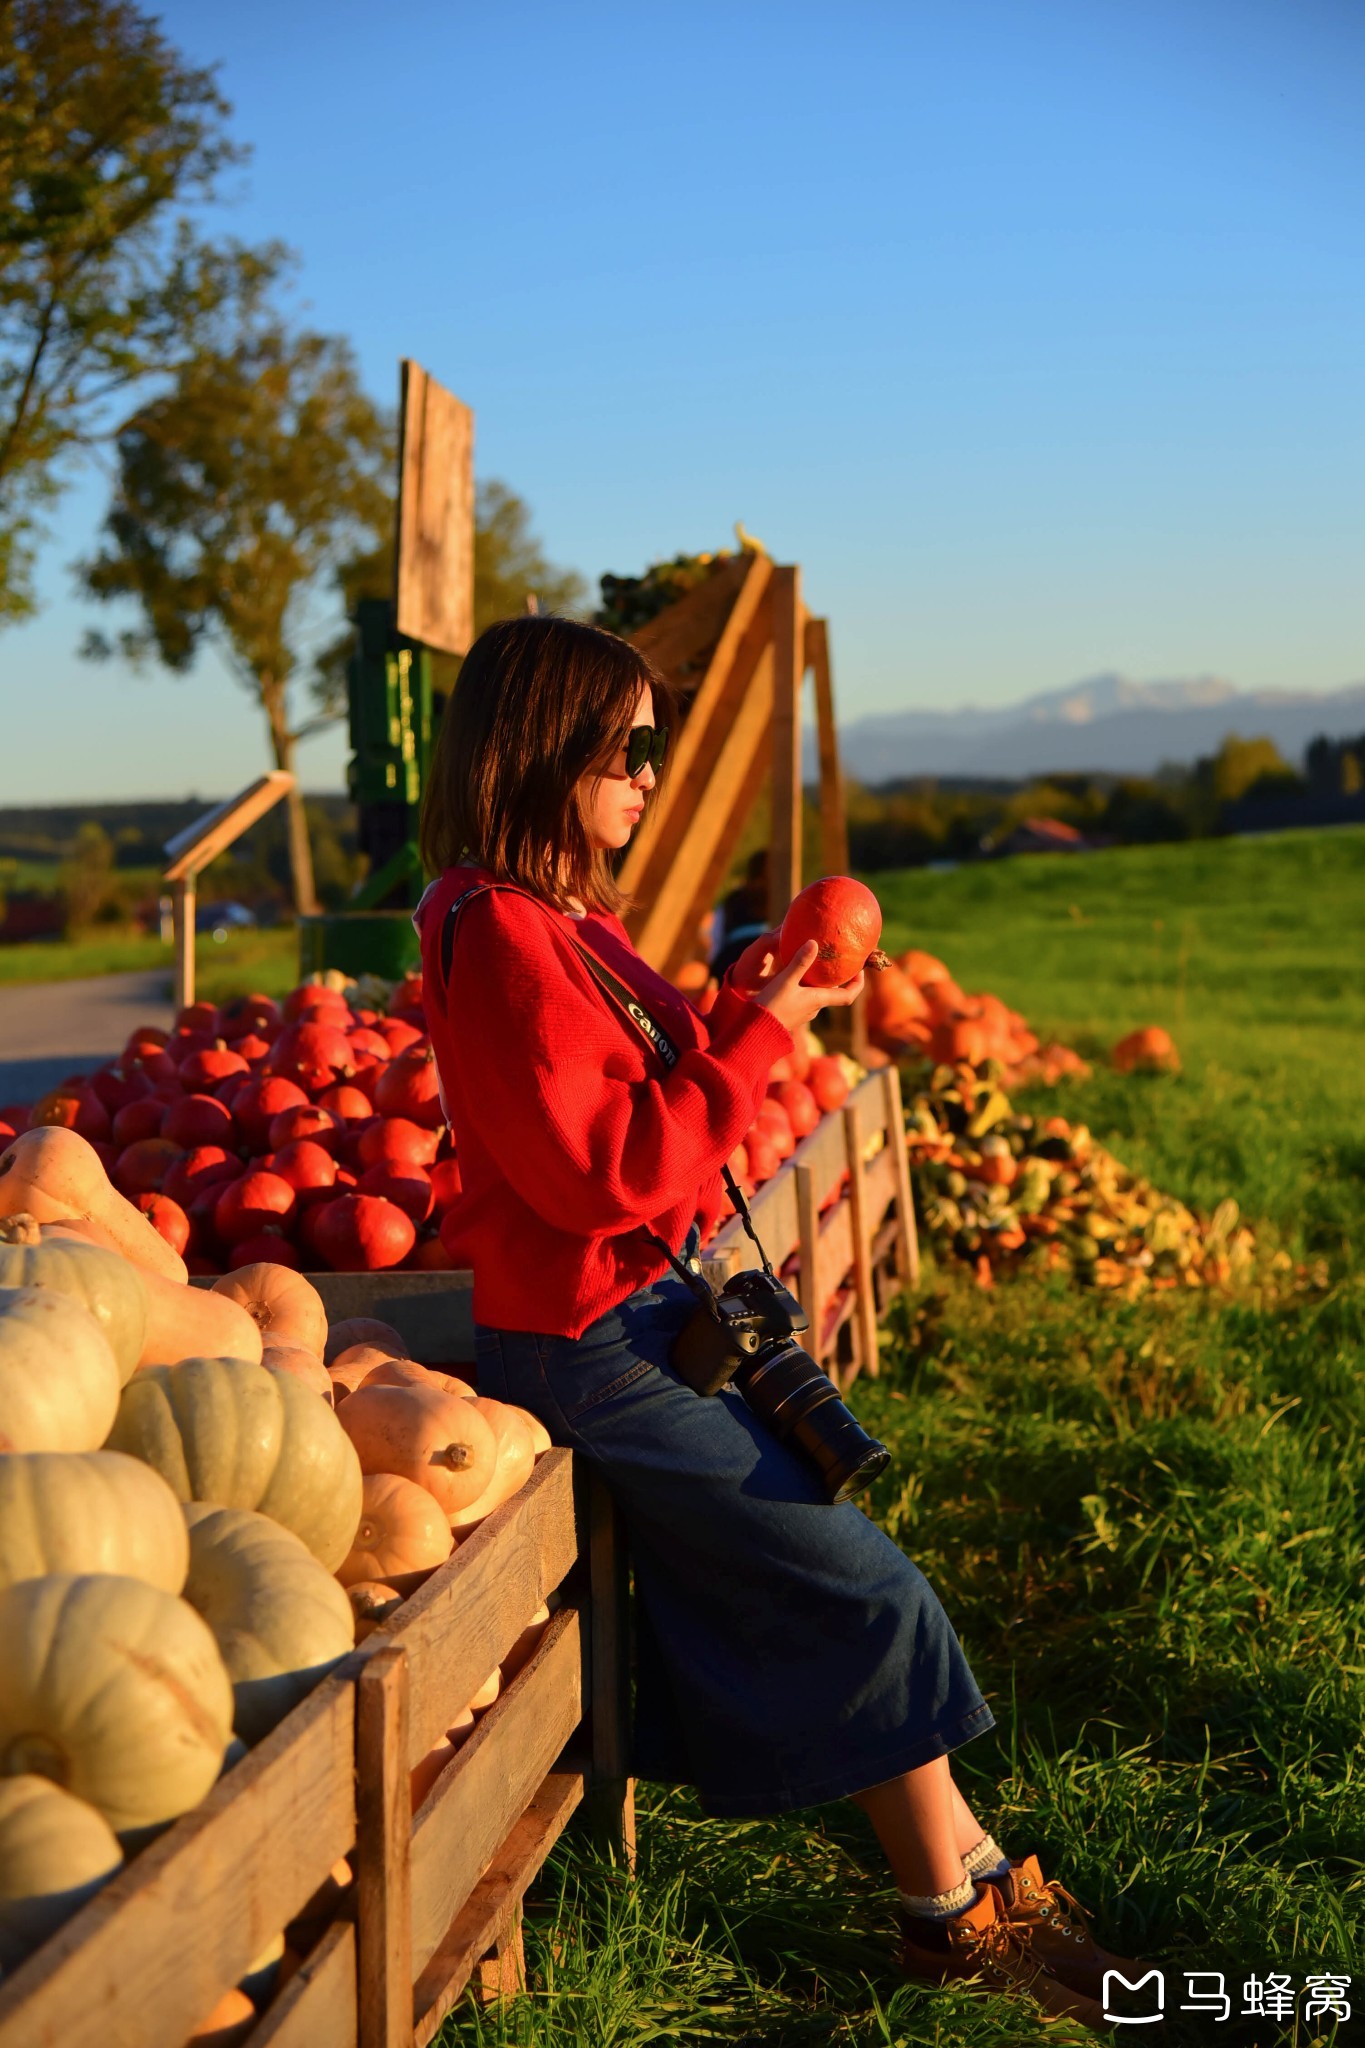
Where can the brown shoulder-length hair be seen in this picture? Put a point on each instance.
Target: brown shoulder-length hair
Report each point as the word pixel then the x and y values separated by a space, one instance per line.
pixel 541 702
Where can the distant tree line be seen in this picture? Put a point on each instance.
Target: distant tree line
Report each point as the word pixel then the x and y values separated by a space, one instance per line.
pixel 913 821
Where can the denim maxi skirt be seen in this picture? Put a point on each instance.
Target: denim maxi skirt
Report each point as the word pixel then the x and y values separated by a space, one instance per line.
pixel 788 1652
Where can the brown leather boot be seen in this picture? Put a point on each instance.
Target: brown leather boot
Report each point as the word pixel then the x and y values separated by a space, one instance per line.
pixel 981 1943
pixel 1058 1929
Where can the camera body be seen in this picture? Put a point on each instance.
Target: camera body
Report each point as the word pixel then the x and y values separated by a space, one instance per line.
pixel 747 1336
pixel 712 1347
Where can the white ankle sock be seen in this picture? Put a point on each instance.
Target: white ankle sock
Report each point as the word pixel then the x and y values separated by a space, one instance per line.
pixel 987 1862
pixel 940 1905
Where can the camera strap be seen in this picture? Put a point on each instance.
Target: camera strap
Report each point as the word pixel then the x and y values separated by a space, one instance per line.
pixel 654 1034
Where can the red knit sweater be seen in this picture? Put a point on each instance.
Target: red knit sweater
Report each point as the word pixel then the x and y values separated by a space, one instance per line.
pixel 569 1130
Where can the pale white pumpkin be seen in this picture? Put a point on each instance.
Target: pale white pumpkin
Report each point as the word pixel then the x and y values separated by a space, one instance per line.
pixel 279 1618
pixel 55 1853
pixel 101 1280
pixel 227 1432
pixel 114 1690
pixel 89 1511
pixel 59 1380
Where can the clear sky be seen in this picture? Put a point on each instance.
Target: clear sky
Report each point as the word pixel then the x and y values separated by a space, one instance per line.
pixel 1032 329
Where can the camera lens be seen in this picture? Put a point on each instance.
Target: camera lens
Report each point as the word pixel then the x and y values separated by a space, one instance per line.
pixel 786 1388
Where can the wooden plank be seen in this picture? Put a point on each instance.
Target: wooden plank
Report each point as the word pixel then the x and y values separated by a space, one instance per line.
pixel 495 1902
pixel 678 637
pixel 235 1870
pixel 383 1824
pixel 477 1800
pixel 860 1218
pixel 784 845
pixel 833 813
pixel 182 927
pixel 666 917
pixel 742 637
pixel 811 1278
pixel 895 1129
pixel 467 1616
pixel 201 842
pixel 611 1794
pixel 432 1312
pixel 434 551
pixel 729 831
pixel 773 1206
pixel 318 2004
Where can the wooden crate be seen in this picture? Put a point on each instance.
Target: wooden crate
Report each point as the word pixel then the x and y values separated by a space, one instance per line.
pixel 437 1895
pixel 837 1218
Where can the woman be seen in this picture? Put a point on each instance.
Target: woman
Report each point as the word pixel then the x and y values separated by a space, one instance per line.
pixel 789 1653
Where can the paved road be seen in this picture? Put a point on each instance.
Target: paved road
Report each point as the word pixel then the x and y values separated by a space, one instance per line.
pixel 54 1028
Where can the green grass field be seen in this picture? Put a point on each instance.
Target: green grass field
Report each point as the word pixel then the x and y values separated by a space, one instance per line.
pixel 1145 1519
pixel 264 961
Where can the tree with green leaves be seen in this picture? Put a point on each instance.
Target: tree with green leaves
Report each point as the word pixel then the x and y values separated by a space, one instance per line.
pixel 509 567
pixel 106 136
pixel 240 491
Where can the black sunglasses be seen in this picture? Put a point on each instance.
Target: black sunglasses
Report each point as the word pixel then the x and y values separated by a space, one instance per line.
pixel 646 743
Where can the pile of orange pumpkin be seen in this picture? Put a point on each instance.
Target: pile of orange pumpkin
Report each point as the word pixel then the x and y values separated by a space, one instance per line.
pixel 916 1009
pixel 214 1477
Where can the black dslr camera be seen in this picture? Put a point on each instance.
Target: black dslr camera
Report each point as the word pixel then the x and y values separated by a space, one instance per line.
pixel 747 1335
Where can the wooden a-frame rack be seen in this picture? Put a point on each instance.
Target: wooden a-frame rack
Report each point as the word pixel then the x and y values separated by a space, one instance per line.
pixel 737 649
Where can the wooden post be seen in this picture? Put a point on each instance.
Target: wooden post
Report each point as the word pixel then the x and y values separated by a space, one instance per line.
pixel 833 817
pixel 611 1795
pixel 384 1852
pixel 865 1298
pixel 182 912
pixel 784 844
pixel 905 1204
pixel 808 1238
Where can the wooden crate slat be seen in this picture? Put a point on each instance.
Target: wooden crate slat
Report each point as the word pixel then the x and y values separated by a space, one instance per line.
pixel 383 1821
pixel 478 1798
pixel 317 2007
pixel 645 869
pixel 432 1312
pixel 467 1616
pixel 234 1871
pixel 774 1206
pixel 494 1903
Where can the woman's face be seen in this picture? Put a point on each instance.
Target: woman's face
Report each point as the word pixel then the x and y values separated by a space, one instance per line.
pixel 613 800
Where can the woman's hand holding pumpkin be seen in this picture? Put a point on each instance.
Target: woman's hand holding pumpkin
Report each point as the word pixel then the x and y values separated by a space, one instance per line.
pixel 782 992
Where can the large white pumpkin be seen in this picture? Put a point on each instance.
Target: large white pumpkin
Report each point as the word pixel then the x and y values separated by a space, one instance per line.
pixel 55 1853
pixel 114 1690
pixel 229 1433
pixel 89 1511
pixel 59 1379
pixel 101 1280
pixel 280 1619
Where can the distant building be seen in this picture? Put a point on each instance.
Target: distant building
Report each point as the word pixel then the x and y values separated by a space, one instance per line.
pixel 1041 835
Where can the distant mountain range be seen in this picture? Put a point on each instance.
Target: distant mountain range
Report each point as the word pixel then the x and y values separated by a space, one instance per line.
pixel 1106 724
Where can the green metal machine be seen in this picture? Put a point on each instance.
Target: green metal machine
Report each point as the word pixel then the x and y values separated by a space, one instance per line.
pixel 392 712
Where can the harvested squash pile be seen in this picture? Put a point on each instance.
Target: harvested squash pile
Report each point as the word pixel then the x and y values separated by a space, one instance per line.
pixel 995 1187
pixel 207 1498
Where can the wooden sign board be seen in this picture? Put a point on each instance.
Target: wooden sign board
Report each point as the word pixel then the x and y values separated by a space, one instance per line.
pixel 434 559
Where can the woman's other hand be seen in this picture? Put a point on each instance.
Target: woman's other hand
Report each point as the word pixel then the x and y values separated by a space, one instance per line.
pixel 756 965
pixel 793 1005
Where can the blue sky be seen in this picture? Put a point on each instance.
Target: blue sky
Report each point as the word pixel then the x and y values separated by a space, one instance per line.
pixel 1033 331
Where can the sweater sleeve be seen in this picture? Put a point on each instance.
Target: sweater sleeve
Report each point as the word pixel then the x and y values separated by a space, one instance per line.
pixel 558 1099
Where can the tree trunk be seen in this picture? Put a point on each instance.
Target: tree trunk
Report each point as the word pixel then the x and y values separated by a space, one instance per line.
pixel 300 851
